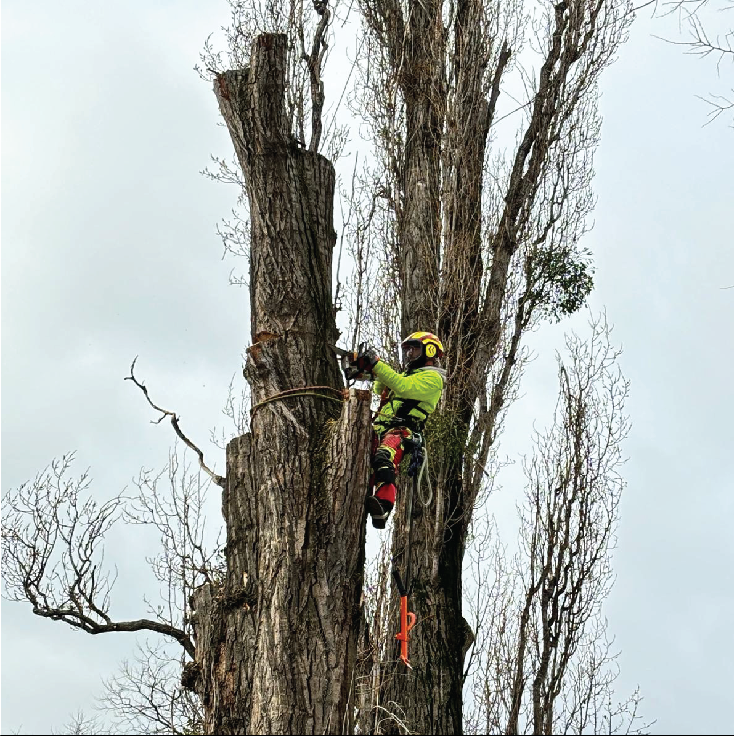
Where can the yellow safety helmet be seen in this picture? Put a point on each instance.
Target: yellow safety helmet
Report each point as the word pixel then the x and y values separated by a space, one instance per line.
pixel 432 347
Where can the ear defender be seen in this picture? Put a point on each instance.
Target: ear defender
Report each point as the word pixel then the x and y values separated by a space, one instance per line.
pixel 430 351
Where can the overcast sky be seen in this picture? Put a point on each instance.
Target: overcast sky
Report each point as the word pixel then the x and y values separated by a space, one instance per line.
pixel 109 251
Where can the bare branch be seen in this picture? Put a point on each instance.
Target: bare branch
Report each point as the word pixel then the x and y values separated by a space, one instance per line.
pixel 53 553
pixel 218 479
pixel 698 16
pixel 147 696
pixel 315 61
pixel 177 513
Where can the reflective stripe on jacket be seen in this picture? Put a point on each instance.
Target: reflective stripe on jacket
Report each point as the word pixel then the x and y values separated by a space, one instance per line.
pixel 413 395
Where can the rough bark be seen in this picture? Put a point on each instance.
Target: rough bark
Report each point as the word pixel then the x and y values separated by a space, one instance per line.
pixel 276 644
pixel 430 696
pixel 421 80
pixel 427 698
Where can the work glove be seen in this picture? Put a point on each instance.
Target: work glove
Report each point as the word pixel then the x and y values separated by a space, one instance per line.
pixel 367 357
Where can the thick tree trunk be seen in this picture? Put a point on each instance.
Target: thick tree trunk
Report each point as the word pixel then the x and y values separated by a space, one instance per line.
pixel 276 644
pixel 430 696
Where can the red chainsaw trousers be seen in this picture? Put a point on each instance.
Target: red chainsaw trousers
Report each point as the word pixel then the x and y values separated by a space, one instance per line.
pixel 387 454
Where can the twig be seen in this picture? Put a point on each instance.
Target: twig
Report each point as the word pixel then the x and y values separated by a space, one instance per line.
pixel 218 479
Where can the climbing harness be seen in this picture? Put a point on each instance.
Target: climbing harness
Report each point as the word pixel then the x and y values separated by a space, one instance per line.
pixel 415 445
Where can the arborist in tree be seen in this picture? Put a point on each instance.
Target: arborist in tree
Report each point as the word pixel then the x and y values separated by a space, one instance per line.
pixel 407 399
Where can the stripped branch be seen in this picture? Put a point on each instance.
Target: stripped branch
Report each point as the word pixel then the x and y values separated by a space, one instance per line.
pixel 218 479
pixel 315 62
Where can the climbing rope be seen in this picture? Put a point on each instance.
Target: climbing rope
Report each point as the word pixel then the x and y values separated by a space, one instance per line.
pixel 303 391
pixel 425 500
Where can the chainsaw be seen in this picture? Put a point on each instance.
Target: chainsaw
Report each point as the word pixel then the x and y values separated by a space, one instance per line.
pixel 348 359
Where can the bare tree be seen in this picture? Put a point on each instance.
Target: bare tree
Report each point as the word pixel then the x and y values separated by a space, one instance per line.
pixel 148 697
pixel 145 697
pixel 54 533
pixel 82 724
pixel 569 524
pixel 53 557
pixel 484 244
pixel 293 502
pixel 549 668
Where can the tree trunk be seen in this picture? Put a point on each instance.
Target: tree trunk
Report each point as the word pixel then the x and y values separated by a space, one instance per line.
pixel 419 228
pixel 430 697
pixel 276 643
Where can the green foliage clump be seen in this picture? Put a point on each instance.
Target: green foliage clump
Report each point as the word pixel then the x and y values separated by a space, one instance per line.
pixel 563 279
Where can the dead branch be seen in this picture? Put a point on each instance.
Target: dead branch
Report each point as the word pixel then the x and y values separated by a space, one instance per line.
pixel 218 479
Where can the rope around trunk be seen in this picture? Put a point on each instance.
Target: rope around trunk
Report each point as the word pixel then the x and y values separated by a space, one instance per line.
pixel 304 391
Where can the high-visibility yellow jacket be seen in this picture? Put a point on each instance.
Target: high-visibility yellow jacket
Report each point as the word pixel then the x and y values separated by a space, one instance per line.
pixel 412 395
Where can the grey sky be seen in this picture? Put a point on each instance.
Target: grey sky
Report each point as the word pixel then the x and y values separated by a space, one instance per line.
pixel 109 251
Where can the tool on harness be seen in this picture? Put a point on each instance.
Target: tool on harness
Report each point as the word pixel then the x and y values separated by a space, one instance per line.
pixel 413 444
pixel 407 618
